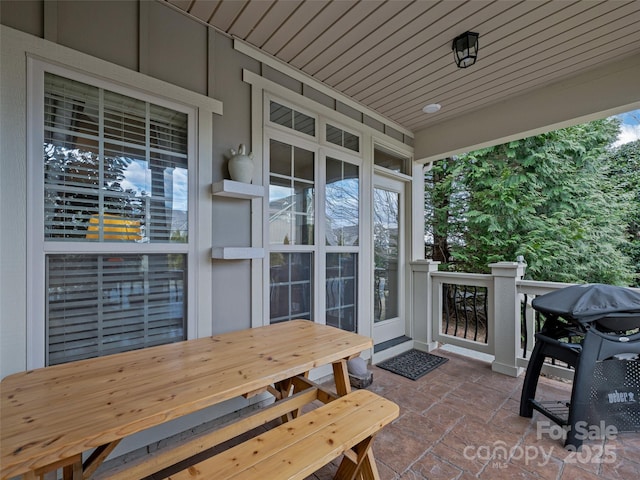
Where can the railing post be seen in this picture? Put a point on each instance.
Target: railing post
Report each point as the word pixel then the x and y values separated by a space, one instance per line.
pixel 422 304
pixel 506 307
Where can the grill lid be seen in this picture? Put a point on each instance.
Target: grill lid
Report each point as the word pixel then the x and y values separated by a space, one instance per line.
pixel 590 302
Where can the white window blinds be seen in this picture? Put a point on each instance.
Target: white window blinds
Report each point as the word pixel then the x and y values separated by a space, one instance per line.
pixel 102 304
pixel 112 161
pixel 115 171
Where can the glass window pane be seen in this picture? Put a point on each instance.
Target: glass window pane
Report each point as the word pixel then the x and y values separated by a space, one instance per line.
pixel 167 207
pixel 304 123
pixel 125 118
pixel 280 227
pixel 279 158
pixel 103 304
pixel 168 129
pixel 341 296
pixel 279 303
pixel 290 286
pixel 391 160
pixel 72 107
pixel 344 139
pixel 342 205
pixel 386 254
pixel 304 197
pixel 281 201
pixel 334 135
pixel 304 230
pixel 351 141
pixel 112 187
pixel 292 198
pixel 281 115
pixel 279 270
pixel 290 118
pixel 71 195
pixel 288 228
pixel 280 190
pixel 304 163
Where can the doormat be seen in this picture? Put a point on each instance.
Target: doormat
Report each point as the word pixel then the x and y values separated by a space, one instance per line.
pixel 412 364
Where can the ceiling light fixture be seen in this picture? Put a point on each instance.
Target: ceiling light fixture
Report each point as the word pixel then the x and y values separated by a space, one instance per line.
pixel 465 49
pixel 431 108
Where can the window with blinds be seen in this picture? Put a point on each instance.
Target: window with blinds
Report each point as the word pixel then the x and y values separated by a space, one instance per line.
pixel 103 304
pixel 115 172
pixel 115 167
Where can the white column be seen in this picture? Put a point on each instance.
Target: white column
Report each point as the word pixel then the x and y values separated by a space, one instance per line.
pixel 506 327
pixel 422 304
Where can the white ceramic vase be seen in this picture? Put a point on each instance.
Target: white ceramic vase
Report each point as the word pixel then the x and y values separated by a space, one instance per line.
pixel 241 165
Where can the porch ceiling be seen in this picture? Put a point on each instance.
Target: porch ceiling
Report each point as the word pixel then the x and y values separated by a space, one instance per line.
pixel 395 56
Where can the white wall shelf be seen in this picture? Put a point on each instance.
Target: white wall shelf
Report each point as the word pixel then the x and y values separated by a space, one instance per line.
pixel 248 191
pixel 236 253
pixel 229 188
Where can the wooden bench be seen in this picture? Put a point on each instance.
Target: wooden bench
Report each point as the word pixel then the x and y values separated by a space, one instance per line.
pixel 286 407
pixel 298 448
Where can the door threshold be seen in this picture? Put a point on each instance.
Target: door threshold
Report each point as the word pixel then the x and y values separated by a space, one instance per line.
pixel 390 343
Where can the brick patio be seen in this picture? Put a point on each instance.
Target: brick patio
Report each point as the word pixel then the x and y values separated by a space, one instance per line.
pixel 464 405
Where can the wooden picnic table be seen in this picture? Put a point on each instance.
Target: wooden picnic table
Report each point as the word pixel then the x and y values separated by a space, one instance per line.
pixel 50 416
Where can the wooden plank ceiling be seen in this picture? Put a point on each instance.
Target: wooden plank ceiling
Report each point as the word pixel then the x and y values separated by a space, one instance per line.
pixel 395 56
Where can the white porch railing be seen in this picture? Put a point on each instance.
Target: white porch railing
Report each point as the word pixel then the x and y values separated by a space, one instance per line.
pixel 504 330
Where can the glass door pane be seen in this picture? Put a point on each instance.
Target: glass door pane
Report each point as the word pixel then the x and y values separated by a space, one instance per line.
pixel 386 223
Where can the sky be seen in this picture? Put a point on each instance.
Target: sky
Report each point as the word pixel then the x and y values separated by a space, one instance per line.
pixel 629 128
pixel 138 178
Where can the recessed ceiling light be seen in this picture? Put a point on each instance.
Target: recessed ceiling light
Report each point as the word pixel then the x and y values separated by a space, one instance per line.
pixel 431 108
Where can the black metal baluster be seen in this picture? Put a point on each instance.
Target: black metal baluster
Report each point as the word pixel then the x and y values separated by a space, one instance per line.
pixel 486 316
pixel 455 309
pixel 445 301
pixel 475 313
pixel 465 310
pixel 523 316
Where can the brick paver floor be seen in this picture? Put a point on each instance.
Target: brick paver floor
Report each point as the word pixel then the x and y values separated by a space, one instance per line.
pixel 461 422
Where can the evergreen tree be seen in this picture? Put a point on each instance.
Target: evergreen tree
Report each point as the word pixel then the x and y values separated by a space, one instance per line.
pixel 625 173
pixel 549 198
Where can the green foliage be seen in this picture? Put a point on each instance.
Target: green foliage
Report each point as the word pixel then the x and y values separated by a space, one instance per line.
pixel 553 198
pixel 625 173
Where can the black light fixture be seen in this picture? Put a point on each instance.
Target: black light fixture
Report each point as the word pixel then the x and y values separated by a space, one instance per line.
pixel 465 49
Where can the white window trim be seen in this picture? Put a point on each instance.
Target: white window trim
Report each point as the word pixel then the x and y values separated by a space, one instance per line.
pixel 198 320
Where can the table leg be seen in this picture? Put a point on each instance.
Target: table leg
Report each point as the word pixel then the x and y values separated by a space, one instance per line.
pixel 341 377
pixel 73 471
pixel 98 456
pixel 284 389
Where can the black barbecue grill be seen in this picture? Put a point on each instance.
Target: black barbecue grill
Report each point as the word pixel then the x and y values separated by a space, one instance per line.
pixel 594 329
